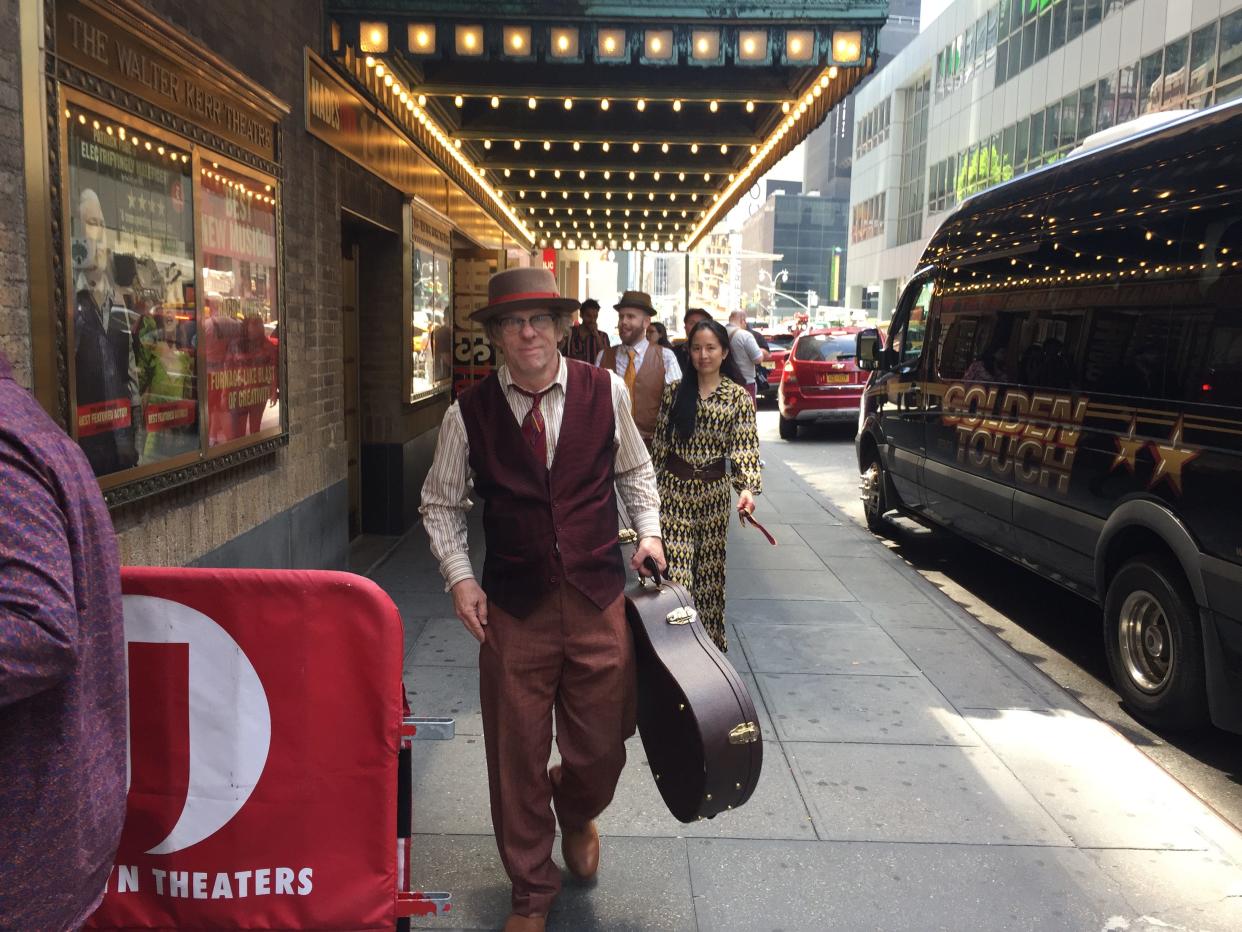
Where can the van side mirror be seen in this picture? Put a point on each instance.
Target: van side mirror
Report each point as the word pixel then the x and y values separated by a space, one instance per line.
pixel 867 349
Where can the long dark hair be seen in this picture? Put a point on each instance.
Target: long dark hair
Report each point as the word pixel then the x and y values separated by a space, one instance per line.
pixel 663 338
pixel 686 401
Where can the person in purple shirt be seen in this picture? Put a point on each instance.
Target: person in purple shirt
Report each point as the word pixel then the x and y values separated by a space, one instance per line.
pixel 62 674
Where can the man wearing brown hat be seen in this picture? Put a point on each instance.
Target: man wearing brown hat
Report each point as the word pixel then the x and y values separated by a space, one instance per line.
pixel 645 367
pixel 550 615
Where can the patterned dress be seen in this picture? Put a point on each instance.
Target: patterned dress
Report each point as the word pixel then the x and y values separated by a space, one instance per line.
pixel 694 515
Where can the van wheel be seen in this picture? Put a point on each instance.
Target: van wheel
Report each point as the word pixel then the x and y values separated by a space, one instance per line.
pixel 788 428
pixel 1154 646
pixel 874 495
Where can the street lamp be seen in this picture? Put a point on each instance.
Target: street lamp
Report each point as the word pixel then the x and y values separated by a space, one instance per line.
pixel 780 278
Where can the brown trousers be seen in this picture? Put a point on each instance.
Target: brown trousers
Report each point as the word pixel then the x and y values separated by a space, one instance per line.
pixel 570 656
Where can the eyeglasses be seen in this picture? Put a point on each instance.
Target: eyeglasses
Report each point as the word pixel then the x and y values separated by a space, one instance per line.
pixel 541 322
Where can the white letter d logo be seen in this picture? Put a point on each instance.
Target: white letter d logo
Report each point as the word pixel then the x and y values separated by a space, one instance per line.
pixel 229 720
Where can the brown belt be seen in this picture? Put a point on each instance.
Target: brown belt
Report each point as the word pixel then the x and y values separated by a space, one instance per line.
pixel 683 470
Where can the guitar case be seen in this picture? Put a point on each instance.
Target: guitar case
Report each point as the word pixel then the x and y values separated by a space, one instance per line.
pixel 695 716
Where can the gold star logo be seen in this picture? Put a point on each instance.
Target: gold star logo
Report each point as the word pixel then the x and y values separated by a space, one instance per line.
pixel 1171 458
pixel 1127 448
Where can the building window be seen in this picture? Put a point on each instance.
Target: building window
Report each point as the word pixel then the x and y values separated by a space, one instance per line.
pixel 872 129
pixel 913 163
pixel 868 219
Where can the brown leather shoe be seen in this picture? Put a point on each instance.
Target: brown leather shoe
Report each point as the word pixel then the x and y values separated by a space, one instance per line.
pixel 580 847
pixel 516 923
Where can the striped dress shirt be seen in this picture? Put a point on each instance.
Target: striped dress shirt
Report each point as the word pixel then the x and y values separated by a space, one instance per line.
pixel 446 493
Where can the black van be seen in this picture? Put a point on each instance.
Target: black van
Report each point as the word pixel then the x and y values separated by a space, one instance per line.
pixel 1062 384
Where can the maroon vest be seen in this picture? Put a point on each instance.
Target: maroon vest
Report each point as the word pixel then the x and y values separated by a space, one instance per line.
pixel 541 523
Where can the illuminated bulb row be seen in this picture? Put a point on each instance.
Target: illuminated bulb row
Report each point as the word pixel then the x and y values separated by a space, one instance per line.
pixel 451 146
pixel 125 135
pixel 612 44
pixel 237 185
pixel 639 245
pixel 606 174
pixel 606 146
pixel 586 195
pixel 605 103
pixel 742 178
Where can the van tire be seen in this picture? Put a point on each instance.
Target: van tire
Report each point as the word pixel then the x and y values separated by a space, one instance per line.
pixel 788 429
pixel 1154 645
pixel 875 494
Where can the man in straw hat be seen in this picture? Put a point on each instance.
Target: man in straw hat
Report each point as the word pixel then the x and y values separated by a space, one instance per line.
pixel 550 615
pixel 645 373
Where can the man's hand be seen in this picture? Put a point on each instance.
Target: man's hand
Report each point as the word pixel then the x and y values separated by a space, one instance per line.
pixel 648 547
pixel 470 603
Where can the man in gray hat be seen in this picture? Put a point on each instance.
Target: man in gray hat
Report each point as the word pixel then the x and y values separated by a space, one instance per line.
pixel 645 373
pixel 550 614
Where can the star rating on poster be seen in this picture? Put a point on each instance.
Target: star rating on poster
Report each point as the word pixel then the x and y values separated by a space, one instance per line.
pixel 1170 457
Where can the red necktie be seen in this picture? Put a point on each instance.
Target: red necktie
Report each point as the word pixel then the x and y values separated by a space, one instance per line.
pixel 534 429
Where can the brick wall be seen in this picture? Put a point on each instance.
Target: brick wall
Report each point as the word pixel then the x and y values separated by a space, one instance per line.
pixel 14 295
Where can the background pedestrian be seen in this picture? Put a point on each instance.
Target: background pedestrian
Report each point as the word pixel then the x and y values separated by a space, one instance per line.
pixel 706 422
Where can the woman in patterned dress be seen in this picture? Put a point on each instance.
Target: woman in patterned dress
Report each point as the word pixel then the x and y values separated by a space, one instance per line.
pixel 705 420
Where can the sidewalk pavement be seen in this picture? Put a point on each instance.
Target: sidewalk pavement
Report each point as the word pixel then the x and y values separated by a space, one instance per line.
pixel 918 774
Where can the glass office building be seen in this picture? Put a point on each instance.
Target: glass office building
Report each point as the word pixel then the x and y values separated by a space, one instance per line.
pixel 995 88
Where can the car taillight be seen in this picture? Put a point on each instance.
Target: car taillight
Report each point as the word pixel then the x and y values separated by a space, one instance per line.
pixel 788 368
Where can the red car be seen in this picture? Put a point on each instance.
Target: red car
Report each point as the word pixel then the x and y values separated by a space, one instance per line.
pixel 821 380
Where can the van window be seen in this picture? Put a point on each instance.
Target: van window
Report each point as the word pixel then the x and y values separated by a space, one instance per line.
pixel 1125 354
pixel 1204 360
pixel 908 342
pixel 976 340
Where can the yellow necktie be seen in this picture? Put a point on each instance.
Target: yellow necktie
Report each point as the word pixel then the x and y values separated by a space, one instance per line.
pixel 631 373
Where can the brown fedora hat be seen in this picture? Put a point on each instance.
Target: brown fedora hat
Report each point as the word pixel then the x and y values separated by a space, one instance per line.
pixel 520 290
pixel 638 299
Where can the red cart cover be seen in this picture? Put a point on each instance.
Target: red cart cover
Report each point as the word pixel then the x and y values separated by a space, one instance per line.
pixel 264 724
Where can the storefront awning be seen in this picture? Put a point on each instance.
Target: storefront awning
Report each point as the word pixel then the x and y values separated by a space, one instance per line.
pixel 632 125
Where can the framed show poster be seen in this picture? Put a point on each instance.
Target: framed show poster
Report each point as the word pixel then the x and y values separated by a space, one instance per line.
pixel 161 342
pixel 241 325
pixel 428 349
pixel 132 306
pixel 173 296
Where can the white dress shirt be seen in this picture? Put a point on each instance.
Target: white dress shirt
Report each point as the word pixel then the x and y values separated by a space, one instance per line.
pixel 672 371
pixel 446 492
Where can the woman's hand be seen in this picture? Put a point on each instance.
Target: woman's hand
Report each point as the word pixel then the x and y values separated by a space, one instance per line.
pixel 746 502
